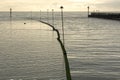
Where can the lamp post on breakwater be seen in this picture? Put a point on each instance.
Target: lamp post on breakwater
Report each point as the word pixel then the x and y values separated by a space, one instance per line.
pixel 88 10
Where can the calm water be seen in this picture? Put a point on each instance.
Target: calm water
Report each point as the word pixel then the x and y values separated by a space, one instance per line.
pixel 30 52
pixel 93 45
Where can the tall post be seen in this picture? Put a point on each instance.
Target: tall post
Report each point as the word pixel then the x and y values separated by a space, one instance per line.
pixel 10 13
pixel 68 75
pixel 40 15
pixel 88 10
pixel 62 23
pixel 31 15
pixel 48 15
pixel 53 17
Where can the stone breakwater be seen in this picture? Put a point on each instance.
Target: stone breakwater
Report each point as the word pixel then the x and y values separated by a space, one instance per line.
pixel 112 16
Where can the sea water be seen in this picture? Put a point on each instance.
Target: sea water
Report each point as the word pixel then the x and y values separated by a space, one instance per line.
pixel 93 45
pixel 29 50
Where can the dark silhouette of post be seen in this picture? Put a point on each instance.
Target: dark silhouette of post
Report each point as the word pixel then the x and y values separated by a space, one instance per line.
pixel 68 75
pixel 40 15
pixel 31 15
pixel 62 23
pixel 10 13
pixel 53 17
pixel 88 10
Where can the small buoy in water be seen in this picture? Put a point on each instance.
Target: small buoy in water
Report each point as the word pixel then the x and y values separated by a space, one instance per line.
pixel 24 23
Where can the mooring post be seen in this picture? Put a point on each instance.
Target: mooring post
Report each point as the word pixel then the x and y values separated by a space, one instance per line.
pixel 62 23
pixel 88 10
pixel 31 15
pixel 40 15
pixel 10 13
pixel 48 15
pixel 52 17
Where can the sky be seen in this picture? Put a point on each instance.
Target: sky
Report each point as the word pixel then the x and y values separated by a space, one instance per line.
pixel 69 5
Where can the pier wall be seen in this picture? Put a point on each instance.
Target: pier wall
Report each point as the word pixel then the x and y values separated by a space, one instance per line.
pixel 112 16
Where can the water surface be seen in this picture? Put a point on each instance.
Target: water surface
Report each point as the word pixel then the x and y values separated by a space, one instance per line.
pixel 29 50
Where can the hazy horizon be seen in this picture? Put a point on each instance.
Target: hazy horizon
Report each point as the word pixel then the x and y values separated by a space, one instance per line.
pixel 69 5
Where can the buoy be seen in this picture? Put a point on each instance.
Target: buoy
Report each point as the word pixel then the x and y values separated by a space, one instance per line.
pixel 24 23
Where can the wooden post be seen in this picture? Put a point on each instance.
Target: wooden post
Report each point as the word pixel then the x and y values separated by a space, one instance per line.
pixel 40 15
pixel 52 17
pixel 47 15
pixel 31 15
pixel 10 13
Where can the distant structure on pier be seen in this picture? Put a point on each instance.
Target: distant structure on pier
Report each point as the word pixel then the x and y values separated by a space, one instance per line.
pixel 105 15
pixel 88 10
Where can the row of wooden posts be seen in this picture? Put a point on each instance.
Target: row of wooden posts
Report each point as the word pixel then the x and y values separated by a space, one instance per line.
pixel 63 39
pixel 62 21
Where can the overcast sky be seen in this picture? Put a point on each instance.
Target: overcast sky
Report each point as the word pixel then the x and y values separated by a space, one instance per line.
pixel 69 5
